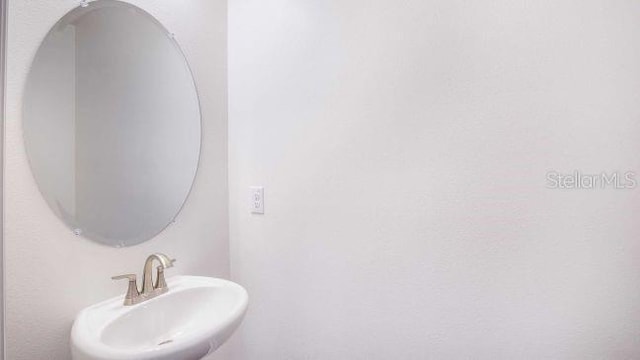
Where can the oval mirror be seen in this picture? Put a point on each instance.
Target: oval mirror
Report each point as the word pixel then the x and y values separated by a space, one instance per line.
pixel 112 123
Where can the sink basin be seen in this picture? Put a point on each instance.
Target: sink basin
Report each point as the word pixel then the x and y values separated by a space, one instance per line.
pixel 193 319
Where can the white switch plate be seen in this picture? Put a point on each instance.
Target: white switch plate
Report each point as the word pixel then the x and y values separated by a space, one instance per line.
pixel 256 200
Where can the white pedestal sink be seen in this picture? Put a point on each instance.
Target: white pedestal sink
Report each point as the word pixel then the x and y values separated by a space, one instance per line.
pixel 193 319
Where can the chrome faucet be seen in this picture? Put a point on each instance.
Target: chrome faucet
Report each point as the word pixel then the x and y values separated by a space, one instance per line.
pixel 149 289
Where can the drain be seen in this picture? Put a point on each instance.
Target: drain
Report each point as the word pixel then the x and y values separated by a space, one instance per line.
pixel 165 342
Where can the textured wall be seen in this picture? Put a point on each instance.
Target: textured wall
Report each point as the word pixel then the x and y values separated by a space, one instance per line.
pixel 403 146
pixel 51 274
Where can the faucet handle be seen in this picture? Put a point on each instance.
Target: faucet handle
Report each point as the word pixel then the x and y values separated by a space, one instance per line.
pixel 160 283
pixel 132 290
pixel 130 277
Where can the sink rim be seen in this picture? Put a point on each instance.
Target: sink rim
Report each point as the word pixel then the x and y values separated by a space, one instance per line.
pixel 92 321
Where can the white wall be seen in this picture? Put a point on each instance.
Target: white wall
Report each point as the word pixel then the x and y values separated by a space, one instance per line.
pixel 51 274
pixel 403 146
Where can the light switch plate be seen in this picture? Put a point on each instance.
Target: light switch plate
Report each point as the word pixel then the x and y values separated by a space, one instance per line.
pixel 256 200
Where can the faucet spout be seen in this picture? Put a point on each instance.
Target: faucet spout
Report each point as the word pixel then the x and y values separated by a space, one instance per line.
pixel 147 282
